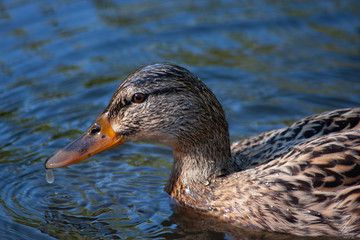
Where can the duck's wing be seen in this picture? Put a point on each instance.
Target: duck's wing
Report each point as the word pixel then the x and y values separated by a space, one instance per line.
pixel 319 181
pixel 265 147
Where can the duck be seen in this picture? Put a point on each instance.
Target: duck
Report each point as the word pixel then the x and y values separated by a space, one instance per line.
pixel 303 179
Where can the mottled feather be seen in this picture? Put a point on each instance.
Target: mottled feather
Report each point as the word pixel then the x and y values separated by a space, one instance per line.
pixel 313 189
pixel 265 147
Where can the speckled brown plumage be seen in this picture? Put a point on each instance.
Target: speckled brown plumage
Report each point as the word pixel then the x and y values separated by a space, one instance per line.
pixel 267 146
pixel 303 179
pixel 313 189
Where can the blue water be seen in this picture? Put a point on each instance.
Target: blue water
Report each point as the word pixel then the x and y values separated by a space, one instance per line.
pixel 269 63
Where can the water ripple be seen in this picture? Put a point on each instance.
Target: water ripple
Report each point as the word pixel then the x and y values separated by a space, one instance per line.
pixel 92 201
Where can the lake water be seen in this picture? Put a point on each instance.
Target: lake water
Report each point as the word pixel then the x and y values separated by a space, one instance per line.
pixel 269 63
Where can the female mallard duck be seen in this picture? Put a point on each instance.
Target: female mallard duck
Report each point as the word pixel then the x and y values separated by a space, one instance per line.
pixel 303 179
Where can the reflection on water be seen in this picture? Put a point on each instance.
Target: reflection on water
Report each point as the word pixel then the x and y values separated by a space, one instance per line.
pixel 269 63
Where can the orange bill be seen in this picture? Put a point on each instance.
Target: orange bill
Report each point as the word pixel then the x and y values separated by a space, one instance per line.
pixel 99 137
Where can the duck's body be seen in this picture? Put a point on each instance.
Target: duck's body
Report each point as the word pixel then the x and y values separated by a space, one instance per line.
pixel 304 179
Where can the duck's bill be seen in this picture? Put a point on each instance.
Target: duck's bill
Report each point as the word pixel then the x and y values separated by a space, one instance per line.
pixel 98 138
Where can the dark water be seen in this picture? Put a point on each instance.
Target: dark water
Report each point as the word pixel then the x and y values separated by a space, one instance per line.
pixel 269 63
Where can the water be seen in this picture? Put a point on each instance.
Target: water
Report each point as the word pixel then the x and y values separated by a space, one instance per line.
pixel 269 63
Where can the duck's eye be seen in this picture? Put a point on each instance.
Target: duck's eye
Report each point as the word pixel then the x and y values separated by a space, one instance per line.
pixel 138 97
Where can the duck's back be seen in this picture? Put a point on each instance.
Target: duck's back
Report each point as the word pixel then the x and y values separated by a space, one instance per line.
pixel 265 147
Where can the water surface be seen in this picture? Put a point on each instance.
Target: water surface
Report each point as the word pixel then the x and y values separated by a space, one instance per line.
pixel 269 63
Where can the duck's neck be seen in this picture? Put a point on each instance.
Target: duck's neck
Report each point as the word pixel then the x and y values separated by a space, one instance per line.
pixel 195 166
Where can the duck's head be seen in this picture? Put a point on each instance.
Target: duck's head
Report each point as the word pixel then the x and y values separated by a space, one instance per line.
pixel 162 103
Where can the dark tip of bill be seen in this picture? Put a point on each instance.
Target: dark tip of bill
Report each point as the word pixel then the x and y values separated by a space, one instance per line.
pixel 46 162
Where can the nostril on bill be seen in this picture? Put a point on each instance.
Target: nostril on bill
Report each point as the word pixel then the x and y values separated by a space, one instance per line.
pixel 95 129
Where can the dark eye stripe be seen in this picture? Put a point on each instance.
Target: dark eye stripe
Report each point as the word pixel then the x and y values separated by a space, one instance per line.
pixel 125 103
